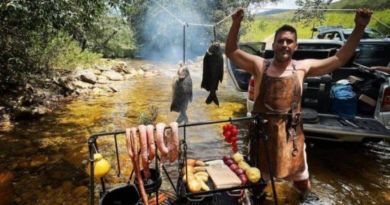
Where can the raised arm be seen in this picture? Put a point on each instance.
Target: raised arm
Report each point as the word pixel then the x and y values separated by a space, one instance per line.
pixel 320 67
pixel 242 59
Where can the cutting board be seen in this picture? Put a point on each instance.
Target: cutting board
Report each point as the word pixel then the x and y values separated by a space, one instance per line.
pixel 222 176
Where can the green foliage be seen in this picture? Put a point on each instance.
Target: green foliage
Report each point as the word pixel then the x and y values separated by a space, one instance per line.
pixel 65 53
pixel 112 37
pixel 309 10
pixel 353 4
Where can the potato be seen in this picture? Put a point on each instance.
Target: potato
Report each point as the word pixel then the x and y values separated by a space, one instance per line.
pixel 194 185
pixel 190 169
pixel 201 177
pixel 202 173
pixel 238 157
pixel 199 169
pixel 200 163
pixel 243 165
pixel 204 186
pixel 191 162
pixel 190 177
pixel 253 174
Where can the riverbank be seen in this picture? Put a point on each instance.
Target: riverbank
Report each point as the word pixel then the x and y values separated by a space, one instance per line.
pixel 43 94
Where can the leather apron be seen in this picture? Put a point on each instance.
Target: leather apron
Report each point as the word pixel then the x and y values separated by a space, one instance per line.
pixel 279 102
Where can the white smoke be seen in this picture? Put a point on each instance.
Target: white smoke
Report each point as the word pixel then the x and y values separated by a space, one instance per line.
pixel 163 31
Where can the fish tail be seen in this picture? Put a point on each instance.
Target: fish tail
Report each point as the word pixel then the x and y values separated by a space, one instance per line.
pixel 212 98
pixel 182 117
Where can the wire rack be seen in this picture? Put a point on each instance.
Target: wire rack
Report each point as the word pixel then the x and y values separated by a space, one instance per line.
pixel 181 195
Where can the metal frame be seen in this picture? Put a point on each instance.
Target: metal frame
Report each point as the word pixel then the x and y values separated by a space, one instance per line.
pixel 257 120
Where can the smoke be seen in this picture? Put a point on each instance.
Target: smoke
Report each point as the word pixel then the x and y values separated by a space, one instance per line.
pixel 163 31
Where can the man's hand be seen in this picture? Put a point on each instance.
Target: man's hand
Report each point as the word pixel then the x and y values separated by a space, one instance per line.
pixel 362 17
pixel 238 15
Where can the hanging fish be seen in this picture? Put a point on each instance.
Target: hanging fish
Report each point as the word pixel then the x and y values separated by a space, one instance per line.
pixel 212 72
pixel 182 93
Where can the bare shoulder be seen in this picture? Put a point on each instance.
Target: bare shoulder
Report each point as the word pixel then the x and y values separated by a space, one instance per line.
pixel 303 65
pixel 259 63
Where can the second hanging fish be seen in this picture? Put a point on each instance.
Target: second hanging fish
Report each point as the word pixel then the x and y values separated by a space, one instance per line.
pixel 212 72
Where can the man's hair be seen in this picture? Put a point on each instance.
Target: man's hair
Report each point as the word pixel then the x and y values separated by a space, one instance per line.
pixel 286 27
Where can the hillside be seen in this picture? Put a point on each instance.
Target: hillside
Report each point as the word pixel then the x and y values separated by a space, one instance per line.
pixel 373 4
pixel 265 25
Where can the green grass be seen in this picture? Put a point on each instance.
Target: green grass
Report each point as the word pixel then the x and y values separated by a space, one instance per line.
pixel 265 26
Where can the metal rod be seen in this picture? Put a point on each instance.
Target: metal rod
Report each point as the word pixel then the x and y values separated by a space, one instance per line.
pixel 117 155
pixel 184 44
pixel 105 134
pixel 91 171
pixel 215 34
pixel 265 140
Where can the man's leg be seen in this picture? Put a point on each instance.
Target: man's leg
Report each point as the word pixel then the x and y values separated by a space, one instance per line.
pixel 302 183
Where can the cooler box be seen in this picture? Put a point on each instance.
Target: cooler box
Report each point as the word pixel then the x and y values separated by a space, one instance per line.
pixel 343 101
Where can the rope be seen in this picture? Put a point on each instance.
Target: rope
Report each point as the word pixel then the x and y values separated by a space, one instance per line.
pixel 381 22
pixel 199 24
pixel 166 10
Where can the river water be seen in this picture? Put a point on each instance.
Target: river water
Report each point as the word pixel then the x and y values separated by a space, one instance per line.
pixel 48 157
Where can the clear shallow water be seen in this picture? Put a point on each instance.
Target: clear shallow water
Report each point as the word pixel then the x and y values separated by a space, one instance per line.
pixel 48 156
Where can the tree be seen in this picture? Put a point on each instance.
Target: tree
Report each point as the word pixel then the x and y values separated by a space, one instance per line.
pixel 310 10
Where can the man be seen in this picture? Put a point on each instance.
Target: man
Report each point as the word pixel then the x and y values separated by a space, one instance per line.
pixel 385 69
pixel 278 91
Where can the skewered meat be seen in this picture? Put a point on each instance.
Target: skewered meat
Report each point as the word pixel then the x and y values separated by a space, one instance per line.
pixel 173 145
pixel 135 141
pixel 151 143
pixel 160 141
pixel 135 159
pixel 144 149
pixel 128 143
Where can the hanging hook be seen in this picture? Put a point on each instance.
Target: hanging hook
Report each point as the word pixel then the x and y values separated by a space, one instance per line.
pixel 215 34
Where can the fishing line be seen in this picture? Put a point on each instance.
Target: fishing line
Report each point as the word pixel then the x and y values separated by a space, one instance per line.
pixel 166 10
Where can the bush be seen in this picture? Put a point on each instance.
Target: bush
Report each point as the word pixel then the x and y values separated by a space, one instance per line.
pixel 65 53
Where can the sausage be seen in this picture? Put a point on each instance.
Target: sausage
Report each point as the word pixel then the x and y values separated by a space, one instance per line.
pixel 144 149
pixel 160 140
pixel 135 160
pixel 134 141
pixel 128 143
pixel 174 142
pixel 151 143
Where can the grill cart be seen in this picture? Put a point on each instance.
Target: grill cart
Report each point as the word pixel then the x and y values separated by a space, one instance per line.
pixel 214 194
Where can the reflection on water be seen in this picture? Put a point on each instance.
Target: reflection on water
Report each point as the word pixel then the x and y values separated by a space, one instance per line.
pixel 49 156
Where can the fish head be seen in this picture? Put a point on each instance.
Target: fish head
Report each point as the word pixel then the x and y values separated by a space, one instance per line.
pixel 214 48
pixel 183 72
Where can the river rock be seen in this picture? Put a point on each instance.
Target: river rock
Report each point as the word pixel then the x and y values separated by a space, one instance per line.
pixel 87 76
pixel 112 75
pixel 83 85
pixel 120 67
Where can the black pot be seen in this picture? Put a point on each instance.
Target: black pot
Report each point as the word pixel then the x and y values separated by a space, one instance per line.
pixel 121 195
pixel 153 183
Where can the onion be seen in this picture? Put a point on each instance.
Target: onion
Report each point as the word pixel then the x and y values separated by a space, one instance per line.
pixel 243 179
pixel 239 171
pixel 229 162
pixel 226 157
pixel 233 167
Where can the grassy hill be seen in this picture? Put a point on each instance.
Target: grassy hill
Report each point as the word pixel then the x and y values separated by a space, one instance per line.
pixel 265 25
pixel 373 4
